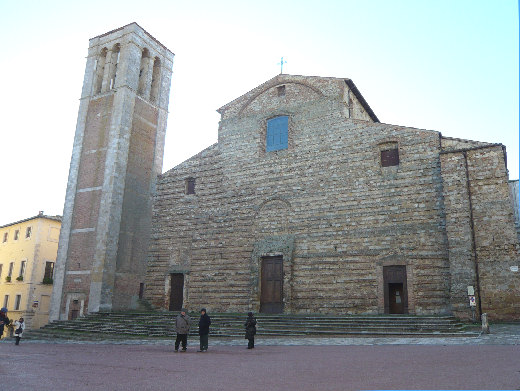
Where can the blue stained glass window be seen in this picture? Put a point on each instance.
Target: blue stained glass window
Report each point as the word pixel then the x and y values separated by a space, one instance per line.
pixel 277 133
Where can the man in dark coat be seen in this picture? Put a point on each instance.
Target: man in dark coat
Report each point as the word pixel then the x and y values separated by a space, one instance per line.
pixel 4 321
pixel 204 323
pixel 182 327
pixel 250 330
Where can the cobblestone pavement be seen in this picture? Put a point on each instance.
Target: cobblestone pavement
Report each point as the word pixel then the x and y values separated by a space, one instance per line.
pixel 489 361
pixel 92 367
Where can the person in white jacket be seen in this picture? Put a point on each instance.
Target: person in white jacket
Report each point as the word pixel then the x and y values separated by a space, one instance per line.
pixel 19 327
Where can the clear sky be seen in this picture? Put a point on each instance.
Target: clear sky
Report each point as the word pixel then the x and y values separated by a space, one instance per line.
pixel 445 65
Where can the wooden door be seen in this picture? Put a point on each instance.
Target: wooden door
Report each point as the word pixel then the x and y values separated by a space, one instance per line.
pixel 271 298
pixel 395 287
pixel 395 298
pixel 75 307
pixel 176 291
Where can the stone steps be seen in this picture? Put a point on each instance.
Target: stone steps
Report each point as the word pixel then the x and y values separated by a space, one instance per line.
pixel 161 325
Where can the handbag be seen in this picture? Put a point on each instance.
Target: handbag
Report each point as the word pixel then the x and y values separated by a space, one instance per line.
pixel 19 330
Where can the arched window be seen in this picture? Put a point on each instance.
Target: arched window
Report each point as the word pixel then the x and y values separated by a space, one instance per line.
pixel 114 61
pixel 156 80
pixel 143 71
pixel 100 70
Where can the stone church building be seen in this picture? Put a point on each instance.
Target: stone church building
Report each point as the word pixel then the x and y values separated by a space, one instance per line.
pixel 306 204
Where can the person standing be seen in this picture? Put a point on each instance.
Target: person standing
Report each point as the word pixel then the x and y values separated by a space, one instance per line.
pixel 19 327
pixel 4 320
pixel 250 330
pixel 204 323
pixel 182 327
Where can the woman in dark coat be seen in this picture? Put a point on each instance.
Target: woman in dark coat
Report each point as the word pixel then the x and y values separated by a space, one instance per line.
pixel 250 330
pixel 204 323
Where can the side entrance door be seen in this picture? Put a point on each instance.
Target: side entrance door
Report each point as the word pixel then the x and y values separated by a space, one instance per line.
pixel 74 309
pixel 272 285
pixel 176 291
pixel 396 292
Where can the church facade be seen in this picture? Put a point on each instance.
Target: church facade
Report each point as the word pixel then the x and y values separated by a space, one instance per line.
pixel 306 204
pixel 309 204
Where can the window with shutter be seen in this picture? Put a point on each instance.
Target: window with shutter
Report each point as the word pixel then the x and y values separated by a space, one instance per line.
pixel 390 157
pixel 190 186
pixel 277 133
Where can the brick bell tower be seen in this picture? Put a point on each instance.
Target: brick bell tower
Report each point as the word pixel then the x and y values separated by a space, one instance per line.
pixel 117 155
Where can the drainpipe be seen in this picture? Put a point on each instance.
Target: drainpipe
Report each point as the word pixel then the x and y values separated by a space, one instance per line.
pixel 472 226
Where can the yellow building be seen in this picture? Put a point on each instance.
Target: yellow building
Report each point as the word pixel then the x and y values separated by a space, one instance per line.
pixel 28 250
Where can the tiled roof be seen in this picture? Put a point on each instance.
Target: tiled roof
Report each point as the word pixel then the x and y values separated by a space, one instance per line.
pixel 38 216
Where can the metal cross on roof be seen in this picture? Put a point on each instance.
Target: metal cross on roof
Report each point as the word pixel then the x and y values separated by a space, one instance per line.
pixel 281 65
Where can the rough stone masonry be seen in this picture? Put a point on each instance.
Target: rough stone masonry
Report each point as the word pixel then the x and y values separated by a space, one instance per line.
pixel 328 224
pixel 306 204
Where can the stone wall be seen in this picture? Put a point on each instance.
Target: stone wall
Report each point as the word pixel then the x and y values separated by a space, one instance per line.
pixel 495 235
pixel 483 244
pixel 514 192
pixel 325 204
pixel 452 144
pixel 334 214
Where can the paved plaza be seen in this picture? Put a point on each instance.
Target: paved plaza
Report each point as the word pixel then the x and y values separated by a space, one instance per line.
pixel 486 362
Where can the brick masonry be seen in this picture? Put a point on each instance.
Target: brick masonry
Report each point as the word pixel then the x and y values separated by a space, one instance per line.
pixel 117 155
pixel 333 212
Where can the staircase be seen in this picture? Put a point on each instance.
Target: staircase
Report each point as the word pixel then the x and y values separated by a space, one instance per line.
pixel 145 325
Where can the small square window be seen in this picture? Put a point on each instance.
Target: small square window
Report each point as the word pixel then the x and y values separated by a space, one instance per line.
pixel 190 186
pixel 16 234
pixel 28 232
pixel 17 301
pixel 390 157
pixel 281 90
pixel 6 301
pixel 4 240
